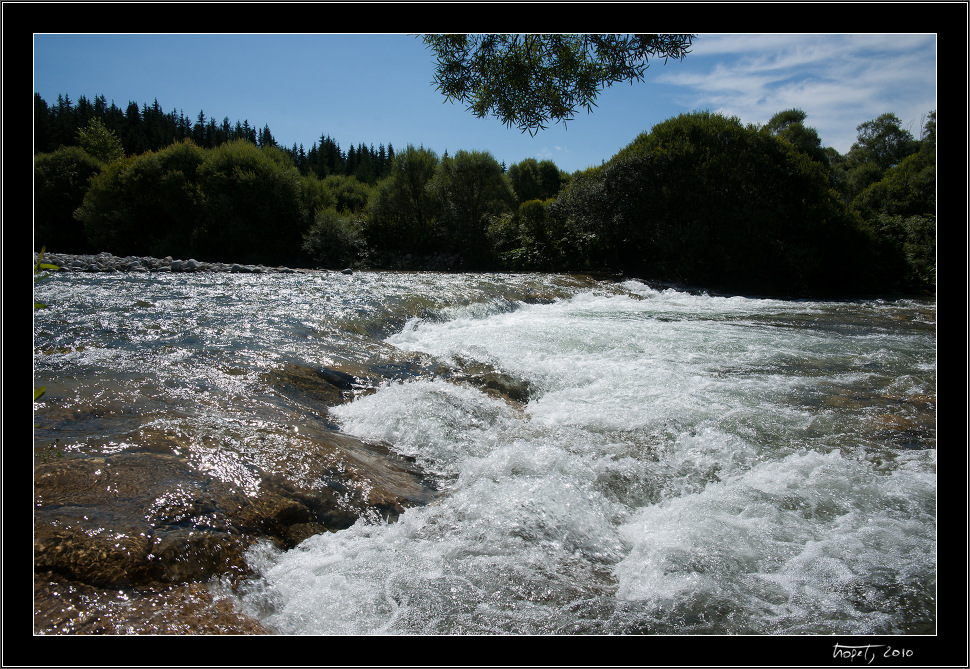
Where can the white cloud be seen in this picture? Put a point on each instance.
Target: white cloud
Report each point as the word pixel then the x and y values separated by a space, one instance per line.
pixel 840 81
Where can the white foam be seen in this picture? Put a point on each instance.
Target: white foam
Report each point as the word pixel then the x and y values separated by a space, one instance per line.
pixel 674 467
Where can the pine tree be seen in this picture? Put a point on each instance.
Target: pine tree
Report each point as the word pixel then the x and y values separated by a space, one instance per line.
pixel 198 131
pixel 42 126
pixel 266 137
pixel 132 136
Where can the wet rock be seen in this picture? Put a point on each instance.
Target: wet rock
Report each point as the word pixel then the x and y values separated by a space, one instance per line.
pixel 96 521
pixel 148 516
pixel 321 385
pixel 65 607
pixel 487 378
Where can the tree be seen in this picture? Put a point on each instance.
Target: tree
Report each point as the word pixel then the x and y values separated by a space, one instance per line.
pixel 61 179
pixel 525 179
pixel 349 193
pixel 266 137
pixel 704 200
pixel 469 190
pixel 401 207
pixel 531 238
pixel 252 208
pixel 788 125
pixel 883 142
pixel 133 133
pixel 333 239
pixel 148 204
pixel 42 125
pixel 99 142
pixel 901 210
pixel 198 131
pixel 536 180
pixel 528 80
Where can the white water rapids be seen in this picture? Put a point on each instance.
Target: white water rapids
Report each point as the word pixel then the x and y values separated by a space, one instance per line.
pixel 685 464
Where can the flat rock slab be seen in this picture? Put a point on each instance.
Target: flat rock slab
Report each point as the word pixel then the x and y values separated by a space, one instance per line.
pixel 146 516
pixel 64 607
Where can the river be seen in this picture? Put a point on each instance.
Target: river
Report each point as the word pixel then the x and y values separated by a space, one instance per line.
pixel 678 463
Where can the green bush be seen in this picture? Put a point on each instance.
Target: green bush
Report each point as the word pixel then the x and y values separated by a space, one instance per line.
pixel 61 179
pixel 704 200
pixel 122 211
pixel 907 189
pixel 530 239
pixel 401 213
pixel 469 191
pixel 147 204
pixel 536 180
pixel 348 193
pixel 99 141
pixel 253 206
pixel 334 239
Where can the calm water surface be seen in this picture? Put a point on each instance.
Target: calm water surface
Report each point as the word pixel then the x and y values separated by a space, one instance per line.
pixel 684 464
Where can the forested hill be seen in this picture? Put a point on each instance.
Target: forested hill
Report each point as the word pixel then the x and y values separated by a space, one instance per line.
pixel 149 128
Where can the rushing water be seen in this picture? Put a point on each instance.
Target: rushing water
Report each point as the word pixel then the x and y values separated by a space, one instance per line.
pixel 683 464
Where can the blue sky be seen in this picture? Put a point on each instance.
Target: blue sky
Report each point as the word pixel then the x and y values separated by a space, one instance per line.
pixel 376 88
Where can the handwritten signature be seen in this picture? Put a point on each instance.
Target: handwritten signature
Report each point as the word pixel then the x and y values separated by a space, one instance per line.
pixel 869 652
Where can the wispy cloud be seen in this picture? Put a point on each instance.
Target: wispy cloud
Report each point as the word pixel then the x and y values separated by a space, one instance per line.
pixel 840 81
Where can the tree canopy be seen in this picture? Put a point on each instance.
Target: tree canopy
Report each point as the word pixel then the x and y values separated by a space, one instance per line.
pixel 704 200
pixel 528 80
pixel 788 125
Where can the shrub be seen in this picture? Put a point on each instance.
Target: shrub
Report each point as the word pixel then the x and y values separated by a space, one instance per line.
pixel 401 212
pixel 348 193
pixel 253 208
pixel 334 240
pixel 147 204
pixel 61 179
pixel 469 190
pixel 704 200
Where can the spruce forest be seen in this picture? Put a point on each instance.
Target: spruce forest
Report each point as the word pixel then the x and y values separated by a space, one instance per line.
pixel 700 200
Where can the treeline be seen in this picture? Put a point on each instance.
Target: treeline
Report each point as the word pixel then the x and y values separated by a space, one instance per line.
pixel 149 128
pixel 700 199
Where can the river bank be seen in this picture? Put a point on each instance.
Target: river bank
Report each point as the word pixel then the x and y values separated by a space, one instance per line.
pixel 107 262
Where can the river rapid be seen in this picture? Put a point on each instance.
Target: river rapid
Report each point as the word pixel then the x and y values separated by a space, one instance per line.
pixel 678 463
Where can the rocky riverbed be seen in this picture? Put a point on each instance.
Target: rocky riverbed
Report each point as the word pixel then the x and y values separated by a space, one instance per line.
pixel 136 532
pixel 107 262
pixel 145 523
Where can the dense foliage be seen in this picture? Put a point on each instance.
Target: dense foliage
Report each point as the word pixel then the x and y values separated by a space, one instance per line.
pixel 529 80
pixel 700 199
pixel 703 200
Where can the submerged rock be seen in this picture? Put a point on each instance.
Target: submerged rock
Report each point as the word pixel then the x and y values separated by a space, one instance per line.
pixel 65 607
pixel 146 516
pixel 150 525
